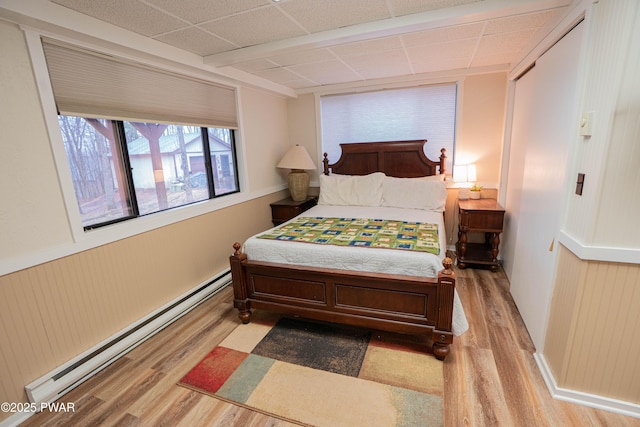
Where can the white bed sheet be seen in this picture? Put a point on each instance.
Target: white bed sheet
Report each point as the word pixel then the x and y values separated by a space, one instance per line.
pixel 391 261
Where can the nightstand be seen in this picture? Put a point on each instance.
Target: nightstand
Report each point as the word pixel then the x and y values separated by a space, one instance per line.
pixel 483 216
pixel 285 209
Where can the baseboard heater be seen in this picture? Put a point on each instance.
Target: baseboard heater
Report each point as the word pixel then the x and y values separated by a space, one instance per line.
pixel 64 378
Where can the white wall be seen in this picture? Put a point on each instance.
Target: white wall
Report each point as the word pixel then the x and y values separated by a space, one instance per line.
pixel 608 157
pixel 32 211
pixel 303 129
pixel 479 138
pixel 266 136
pixel 619 207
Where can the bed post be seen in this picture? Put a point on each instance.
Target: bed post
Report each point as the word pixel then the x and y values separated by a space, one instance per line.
pixel 325 164
pixel 443 161
pixel 239 279
pixel 442 335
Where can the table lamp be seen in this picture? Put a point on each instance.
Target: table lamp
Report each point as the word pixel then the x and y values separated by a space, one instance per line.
pixel 465 175
pixel 297 159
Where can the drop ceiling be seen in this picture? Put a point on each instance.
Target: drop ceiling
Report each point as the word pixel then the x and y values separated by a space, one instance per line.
pixel 306 44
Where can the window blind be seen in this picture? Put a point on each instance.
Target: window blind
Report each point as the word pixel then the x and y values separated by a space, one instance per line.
pixel 91 84
pixel 425 112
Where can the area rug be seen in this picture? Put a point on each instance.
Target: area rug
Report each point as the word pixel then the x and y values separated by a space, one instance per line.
pixel 323 374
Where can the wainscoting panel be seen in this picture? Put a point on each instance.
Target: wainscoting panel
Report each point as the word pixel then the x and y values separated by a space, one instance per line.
pixel 55 311
pixel 594 328
pixel 561 321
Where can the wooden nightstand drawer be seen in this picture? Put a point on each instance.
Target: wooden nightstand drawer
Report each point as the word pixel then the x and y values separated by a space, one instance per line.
pixel 284 210
pixel 482 220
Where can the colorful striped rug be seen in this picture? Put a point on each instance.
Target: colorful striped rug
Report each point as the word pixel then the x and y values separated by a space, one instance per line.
pixel 324 375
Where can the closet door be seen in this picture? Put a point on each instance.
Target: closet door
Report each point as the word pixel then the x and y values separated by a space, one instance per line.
pixel 544 128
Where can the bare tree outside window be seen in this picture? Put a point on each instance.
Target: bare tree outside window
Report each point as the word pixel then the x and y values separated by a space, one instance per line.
pixel 98 182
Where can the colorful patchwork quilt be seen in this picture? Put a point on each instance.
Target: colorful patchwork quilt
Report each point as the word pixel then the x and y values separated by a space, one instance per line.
pixel 370 233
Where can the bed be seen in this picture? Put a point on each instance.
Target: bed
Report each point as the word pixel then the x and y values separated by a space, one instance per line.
pixel 396 290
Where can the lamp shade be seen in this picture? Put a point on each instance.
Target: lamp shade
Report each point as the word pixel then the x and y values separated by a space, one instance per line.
pixel 464 173
pixel 471 173
pixel 296 158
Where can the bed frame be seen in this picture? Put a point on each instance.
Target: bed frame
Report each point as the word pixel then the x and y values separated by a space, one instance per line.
pixel 396 303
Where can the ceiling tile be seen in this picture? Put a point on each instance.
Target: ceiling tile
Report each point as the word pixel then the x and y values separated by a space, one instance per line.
pixel 210 27
pixel 303 57
pixel 445 34
pixel 257 65
pixel 407 7
pixel 518 23
pixel 426 65
pixel 379 65
pixel 459 49
pixel 131 15
pixel 369 46
pixel 195 40
pixel 327 72
pixel 315 15
pixel 254 27
pixel 278 75
pixel 300 83
pixel 197 11
pixel 504 42
pixel 281 76
pixel 437 57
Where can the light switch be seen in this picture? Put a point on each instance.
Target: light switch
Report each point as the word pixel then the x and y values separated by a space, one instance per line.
pixel 586 123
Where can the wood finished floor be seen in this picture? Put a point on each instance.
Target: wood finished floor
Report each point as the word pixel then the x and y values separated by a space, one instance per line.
pixel 491 378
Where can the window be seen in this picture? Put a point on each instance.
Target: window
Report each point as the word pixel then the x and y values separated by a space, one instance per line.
pixel 140 139
pixel 425 112
pixel 123 169
pixel 223 161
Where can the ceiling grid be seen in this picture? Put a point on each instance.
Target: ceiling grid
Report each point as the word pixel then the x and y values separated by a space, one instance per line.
pixel 302 44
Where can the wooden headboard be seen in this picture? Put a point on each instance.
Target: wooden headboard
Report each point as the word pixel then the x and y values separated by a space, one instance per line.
pixel 401 159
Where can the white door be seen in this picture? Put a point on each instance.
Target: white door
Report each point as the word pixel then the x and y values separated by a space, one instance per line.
pixel 546 129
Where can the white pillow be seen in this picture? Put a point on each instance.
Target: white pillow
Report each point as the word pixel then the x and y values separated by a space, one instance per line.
pixel 414 193
pixel 351 190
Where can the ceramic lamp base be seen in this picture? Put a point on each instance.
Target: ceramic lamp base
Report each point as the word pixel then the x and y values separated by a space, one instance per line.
pixel 463 193
pixel 298 184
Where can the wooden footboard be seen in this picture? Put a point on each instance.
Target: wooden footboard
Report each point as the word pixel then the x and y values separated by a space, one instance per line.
pixel 396 303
